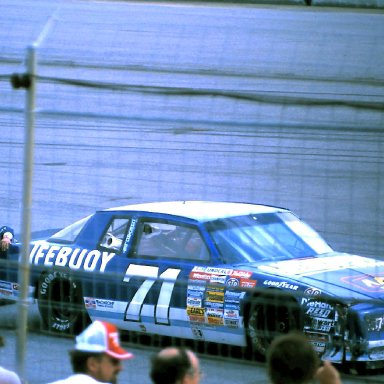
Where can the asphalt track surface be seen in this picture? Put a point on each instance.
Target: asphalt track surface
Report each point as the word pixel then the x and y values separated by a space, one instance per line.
pixel 145 102
pixel 148 101
pixel 47 358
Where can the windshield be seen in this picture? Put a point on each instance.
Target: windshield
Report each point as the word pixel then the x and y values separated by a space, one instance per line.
pixel 69 234
pixel 265 237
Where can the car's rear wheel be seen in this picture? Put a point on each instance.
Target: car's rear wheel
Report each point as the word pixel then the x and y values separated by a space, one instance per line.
pixel 60 303
pixel 269 316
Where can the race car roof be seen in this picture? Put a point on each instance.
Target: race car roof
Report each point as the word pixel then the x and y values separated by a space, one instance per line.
pixel 199 210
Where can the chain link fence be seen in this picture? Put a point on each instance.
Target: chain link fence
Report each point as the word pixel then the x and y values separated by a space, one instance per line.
pixel 156 102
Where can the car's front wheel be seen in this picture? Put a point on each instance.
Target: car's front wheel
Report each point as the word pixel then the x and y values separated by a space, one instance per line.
pixel 61 303
pixel 269 316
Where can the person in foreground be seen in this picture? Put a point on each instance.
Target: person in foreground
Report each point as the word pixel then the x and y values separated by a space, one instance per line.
pixel 291 359
pixel 97 355
pixel 174 365
pixel 7 376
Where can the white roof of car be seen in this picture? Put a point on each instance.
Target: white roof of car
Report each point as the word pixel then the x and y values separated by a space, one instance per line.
pixel 199 210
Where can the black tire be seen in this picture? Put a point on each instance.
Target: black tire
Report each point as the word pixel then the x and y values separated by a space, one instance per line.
pixel 268 317
pixel 61 304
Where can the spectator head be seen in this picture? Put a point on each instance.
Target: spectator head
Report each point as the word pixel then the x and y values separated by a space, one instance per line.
pixel 175 366
pixel 98 353
pixel 291 359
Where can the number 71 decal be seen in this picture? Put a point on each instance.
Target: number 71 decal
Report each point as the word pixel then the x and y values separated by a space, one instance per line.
pixel 135 306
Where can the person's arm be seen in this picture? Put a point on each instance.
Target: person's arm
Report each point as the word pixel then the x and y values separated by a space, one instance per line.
pixel 6 237
pixel 328 374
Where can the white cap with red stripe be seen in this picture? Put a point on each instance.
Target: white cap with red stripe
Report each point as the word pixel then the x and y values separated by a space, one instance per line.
pixel 102 337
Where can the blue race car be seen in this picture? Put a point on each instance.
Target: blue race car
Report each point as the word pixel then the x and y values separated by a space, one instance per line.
pixel 220 272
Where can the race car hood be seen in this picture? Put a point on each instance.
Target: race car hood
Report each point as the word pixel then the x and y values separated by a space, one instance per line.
pixel 337 274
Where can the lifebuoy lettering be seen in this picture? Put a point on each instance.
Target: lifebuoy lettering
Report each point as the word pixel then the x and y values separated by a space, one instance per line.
pixel 73 258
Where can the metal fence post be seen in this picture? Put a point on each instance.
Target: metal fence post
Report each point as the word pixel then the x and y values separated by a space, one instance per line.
pixel 26 214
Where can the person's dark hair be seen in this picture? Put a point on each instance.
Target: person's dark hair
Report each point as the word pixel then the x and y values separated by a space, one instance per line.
pixel 169 369
pixel 291 359
pixel 79 360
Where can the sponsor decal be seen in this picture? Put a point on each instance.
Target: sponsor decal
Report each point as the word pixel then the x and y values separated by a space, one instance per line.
pixel 232 323
pixel 218 279
pixel 213 270
pixel 366 283
pixel 129 234
pixel 318 341
pixel 90 303
pixel 312 292
pixel 323 325
pixel 194 311
pixel 215 320
pixel 215 312
pixel 93 303
pixel 233 297
pixel 193 293
pixel 215 288
pixel 241 274
pixel 247 283
pixel 215 316
pixel 235 307
pixel 209 304
pixel 73 258
pixel 9 289
pixel 232 282
pixel 200 276
pixel 100 303
pixel 194 302
pixel 319 346
pixel 196 287
pixel 231 313
pixel 216 297
pixel 197 319
pixel 281 284
pixel 318 309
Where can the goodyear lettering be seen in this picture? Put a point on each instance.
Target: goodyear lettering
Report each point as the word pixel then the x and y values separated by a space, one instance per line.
pixel 281 284
pixel 74 258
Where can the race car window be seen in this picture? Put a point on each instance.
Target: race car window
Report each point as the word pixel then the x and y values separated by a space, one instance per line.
pixel 113 237
pixel 69 233
pixel 164 240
